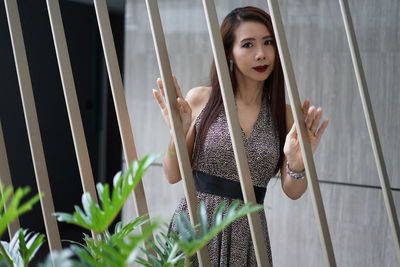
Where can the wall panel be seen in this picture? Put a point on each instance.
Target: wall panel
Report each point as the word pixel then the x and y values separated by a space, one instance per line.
pixel 359 227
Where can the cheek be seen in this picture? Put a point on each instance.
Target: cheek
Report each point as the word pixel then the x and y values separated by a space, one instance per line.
pixel 272 57
pixel 272 53
pixel 242 58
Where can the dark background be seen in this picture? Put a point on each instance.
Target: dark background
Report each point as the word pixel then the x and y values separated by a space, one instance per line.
pixel 94 97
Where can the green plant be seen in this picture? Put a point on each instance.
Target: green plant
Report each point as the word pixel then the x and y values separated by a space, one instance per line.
pixel 98 217
pixel 23 245
pixel 176 249
pixel 121 246
pixel 21 248
pixel 14 207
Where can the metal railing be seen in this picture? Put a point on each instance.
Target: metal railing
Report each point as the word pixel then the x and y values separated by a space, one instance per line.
pixel 177 131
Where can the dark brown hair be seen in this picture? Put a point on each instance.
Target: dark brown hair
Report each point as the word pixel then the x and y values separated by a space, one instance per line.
pixel 273 86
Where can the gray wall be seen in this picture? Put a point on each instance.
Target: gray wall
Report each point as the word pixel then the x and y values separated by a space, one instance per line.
pixel 356 215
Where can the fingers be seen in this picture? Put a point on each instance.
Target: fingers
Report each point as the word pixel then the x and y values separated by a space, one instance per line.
pixel 313 118
pixel 159 98
pixel 310 117
pixel 177 87
pixel 321 129
pixel 159 95
pixel 160 86
pixel 317 119
pixel 306 106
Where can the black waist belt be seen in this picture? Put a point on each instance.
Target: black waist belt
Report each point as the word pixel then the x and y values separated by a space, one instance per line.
pixel 223 187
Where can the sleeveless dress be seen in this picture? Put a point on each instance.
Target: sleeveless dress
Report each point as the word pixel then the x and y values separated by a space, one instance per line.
pixel 234 246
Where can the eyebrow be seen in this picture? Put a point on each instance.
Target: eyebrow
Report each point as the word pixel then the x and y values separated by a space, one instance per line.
pixel 252 39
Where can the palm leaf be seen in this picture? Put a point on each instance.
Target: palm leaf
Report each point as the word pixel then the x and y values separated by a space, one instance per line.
pixel 29 245
pixel 121 252
pixel 190 240
pixel 14 208
pixel 98 217
pixel 60 259
pixel 22 247
pixel 164 252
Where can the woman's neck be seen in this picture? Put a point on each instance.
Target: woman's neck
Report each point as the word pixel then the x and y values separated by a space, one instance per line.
pixel 249 92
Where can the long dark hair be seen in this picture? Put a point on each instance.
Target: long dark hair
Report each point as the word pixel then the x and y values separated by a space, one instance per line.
pixel 274 85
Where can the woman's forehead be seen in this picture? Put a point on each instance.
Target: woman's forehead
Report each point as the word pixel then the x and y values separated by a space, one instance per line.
pixel 251 29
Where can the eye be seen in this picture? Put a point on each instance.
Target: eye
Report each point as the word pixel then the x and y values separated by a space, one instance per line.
pixel 247 45
pixel 268 42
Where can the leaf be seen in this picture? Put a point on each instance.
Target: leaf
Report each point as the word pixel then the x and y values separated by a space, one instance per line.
pixel 163 253
pixel 14 208
pixel 59 258
pixel 122 232
pixel 190 241
pixel 98 217
pixel 121 252
pixel 22 247
pixel 29 245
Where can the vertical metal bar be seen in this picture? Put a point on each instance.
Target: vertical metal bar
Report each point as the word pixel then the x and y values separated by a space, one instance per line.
pixel 371 124
pixel 235 132
pixel 120 105
pixel 35 140
pixel 294 98
pixel 5 180
pixel 71 99
pixel 176 125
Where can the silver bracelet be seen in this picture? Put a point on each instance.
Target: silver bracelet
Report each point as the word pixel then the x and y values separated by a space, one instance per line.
pixel 295 175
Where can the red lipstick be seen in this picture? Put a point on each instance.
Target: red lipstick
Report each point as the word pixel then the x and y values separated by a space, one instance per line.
pixel 261 68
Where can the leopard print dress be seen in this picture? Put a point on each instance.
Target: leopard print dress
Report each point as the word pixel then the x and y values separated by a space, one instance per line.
pixel 234 246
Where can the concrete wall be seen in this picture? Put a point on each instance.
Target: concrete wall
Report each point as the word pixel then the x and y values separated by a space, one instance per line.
pixel 356 214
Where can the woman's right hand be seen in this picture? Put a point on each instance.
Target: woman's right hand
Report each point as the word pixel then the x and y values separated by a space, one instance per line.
pixel 185 112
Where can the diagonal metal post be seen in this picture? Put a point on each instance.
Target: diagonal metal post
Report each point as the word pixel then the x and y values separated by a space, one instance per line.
pixel 176 125
pixel 371 124
pixel 32 124
pixel 295 102
pixel 235 132
pixel 5 181
pixel 117 89
pixel 71 99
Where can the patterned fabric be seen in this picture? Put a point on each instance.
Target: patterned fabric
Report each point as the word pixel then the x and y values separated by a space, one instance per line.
pixel 233 246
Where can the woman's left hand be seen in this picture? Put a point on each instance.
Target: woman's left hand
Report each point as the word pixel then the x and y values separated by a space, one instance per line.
pixel 315 130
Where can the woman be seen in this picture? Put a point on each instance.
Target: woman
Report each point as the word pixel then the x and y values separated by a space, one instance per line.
pixel 268 131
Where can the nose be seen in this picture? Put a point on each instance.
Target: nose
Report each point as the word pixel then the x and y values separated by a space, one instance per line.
pixel 260 55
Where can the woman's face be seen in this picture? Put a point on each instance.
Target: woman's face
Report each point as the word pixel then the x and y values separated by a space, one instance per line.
pixel 253 51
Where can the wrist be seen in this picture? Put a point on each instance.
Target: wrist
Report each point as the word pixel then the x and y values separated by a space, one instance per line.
pixel 295 165
pixel 294 173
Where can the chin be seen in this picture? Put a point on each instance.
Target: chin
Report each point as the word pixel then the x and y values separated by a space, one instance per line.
pixel 262 78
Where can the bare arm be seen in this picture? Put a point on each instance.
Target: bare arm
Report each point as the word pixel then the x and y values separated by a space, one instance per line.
pixel 189 109
pixel 170 163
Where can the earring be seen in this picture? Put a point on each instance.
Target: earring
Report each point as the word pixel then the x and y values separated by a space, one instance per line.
pixel 231 65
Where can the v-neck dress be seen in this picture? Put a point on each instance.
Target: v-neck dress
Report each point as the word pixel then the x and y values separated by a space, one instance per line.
pixel 234 246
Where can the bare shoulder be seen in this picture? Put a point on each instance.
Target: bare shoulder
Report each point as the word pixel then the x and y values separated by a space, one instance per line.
pixel 289 117
pixel 198 96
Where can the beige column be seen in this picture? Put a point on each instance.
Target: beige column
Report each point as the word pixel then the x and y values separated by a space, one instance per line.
pixel 35 140
pixel 71 99
pixel 176 125
pixel 117 89
pixel 235 132
pixel 312 178
pixel 371 124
